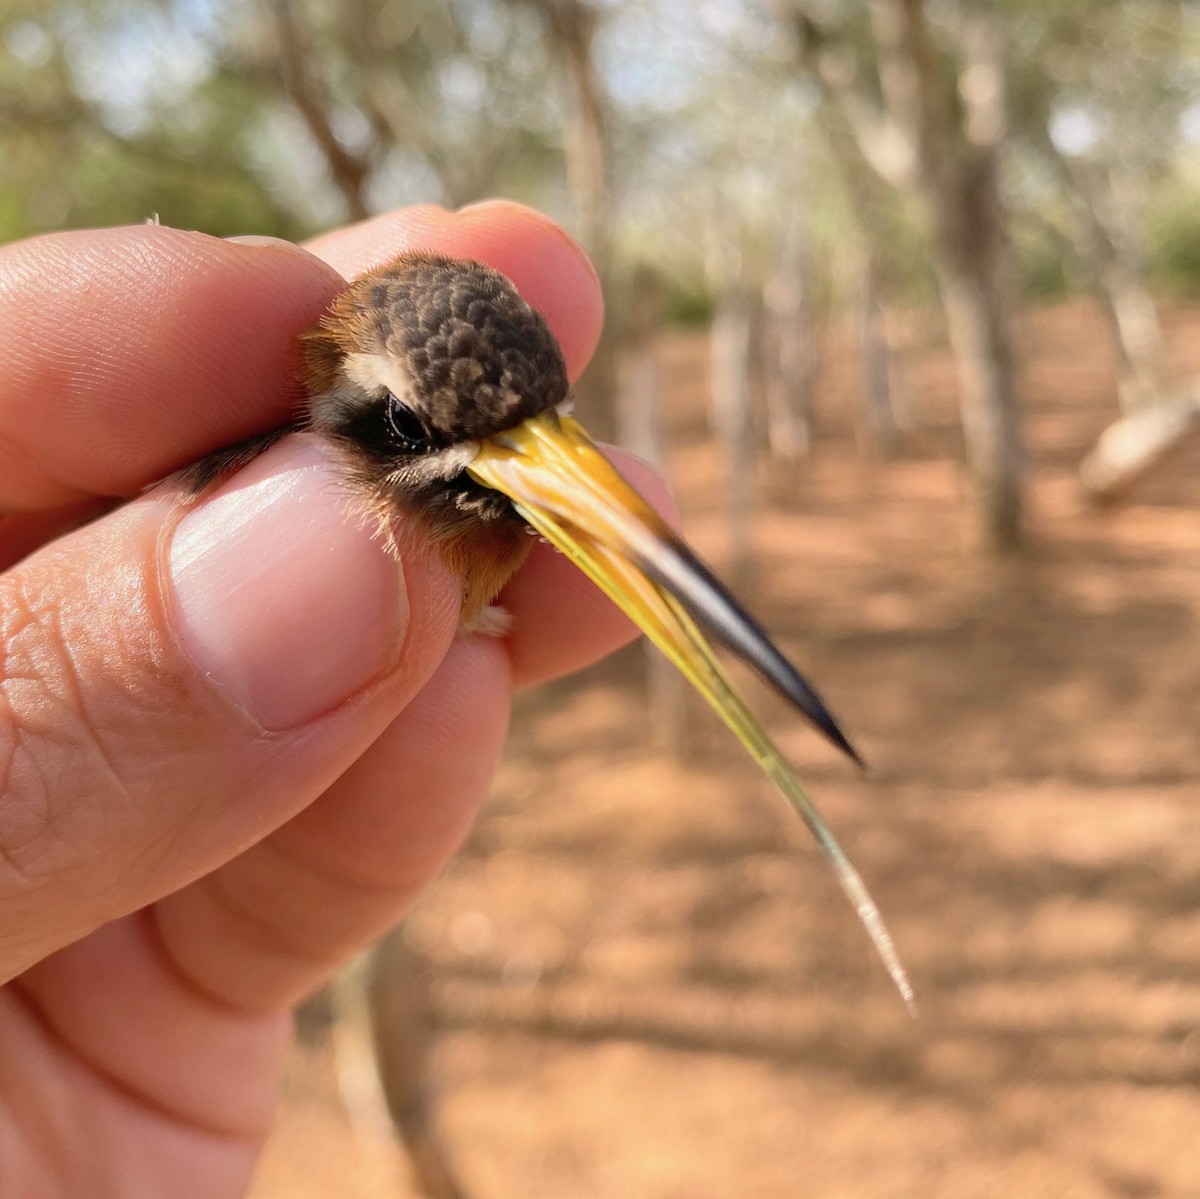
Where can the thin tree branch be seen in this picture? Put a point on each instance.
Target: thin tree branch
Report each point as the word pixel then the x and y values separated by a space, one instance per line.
pixel 883 142
pixel 349 170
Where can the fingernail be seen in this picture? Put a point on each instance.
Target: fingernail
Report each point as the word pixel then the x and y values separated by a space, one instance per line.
pixel 281 596
pixel 258 241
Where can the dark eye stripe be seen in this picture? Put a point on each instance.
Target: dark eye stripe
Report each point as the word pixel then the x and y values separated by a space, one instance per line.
pixel 405 428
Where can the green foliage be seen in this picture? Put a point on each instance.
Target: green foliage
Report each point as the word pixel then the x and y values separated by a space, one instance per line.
pixel 1174 237
pixel 112 110
pixel 217 117
pixel 1042 265
pixel 687 302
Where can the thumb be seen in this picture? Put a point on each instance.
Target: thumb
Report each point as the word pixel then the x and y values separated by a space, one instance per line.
pixel 176 682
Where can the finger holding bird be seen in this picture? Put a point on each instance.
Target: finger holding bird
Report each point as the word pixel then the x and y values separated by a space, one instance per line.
pixel 447 397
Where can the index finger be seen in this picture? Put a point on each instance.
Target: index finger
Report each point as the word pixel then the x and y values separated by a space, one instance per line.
pixel 126 353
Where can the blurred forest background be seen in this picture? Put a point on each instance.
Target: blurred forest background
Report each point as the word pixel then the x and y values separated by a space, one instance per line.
pixel 905 298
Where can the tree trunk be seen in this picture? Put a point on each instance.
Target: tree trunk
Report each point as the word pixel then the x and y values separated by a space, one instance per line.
pixel 639 428
pixel 1137 338
pixel 1104 233
pixel 381 1048
pixel 401 1036
pixel 588 162
pixel 944 153
pixel 880 420
pixel 978 325
pixel 349 171
pixel 730 350
pixel 957 183
pixel 1109 245
pixel 1117 262
pixel 790 355
pixel 882 423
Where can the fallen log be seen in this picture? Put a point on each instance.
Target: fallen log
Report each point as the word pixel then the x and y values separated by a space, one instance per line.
pixel 1135 446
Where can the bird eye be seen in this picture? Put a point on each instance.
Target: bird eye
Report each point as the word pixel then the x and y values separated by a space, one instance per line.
pixel 405 428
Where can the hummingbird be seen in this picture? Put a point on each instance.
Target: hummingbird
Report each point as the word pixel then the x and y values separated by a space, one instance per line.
pixel 446 398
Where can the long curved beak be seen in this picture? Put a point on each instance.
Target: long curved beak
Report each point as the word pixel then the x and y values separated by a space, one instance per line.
pixel 568 492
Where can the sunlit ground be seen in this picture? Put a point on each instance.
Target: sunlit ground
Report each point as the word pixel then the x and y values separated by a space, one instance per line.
pixel 647 985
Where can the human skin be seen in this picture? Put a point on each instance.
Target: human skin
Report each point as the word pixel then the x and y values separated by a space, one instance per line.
pixel 236 739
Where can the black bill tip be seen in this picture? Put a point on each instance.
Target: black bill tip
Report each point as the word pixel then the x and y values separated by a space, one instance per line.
pixel 675 567
pixel 802 694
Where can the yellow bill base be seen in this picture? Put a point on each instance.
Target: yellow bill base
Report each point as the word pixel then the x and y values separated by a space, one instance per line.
pixel 565 488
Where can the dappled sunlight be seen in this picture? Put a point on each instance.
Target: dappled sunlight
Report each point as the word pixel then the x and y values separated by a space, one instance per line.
pixel 644 977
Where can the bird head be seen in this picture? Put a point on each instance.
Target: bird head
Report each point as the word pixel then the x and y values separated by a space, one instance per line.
pixel 450 390
pixel 419 362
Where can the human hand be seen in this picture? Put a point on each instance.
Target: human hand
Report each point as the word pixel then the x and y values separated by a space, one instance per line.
pixel 236 739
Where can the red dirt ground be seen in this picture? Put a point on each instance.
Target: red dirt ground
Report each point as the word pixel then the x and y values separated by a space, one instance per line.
pixel 648 985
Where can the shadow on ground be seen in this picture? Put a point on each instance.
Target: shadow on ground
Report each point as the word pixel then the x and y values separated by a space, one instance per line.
pixel 648 985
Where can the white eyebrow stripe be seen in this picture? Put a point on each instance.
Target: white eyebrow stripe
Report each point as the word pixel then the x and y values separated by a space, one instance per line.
pixel 377 372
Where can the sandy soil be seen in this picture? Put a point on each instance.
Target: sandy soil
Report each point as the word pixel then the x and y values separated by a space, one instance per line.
pixel 646 984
